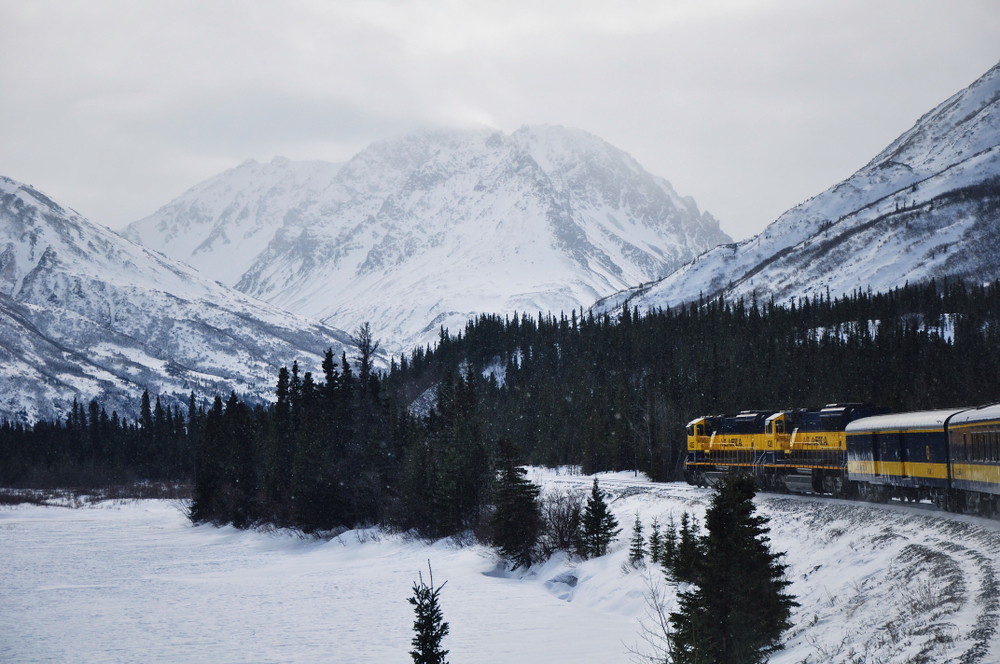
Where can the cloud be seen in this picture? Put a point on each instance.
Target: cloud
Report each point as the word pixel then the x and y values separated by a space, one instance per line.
pixel 116 107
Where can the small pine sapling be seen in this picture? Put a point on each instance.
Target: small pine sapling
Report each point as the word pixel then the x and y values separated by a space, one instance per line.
pixel 655 542
pixel 669 550
pixel 429 627
pixel 599 526
pixel 637 545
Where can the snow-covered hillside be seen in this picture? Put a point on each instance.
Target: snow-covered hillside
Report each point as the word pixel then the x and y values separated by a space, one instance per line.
pixel 433 228
pixel 221 225
pixel 926 206
pixel 890 584
pixel 85 313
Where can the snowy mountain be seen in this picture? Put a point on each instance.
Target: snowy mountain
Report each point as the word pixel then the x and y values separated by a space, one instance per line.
pixel 85 313
pixel 430 229
pixel 928 206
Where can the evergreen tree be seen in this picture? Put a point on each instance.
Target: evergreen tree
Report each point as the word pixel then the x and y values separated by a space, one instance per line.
pixel 738 607
pixel 637 545
pixel 669 546
pixel 599 526
pixel 429 627
pixel 209 480
pixel 687 551
pixel 516 520
pixel 655 542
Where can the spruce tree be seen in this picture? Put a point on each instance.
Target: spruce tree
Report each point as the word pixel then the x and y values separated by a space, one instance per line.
pixel 599 526
pixel 737 607
pixel 655 542
pixel 669 546
pixel 429 626
pixel 637 545
pixel 687 552
pixel 517 517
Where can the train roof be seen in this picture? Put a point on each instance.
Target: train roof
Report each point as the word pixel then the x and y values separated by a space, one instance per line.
pixel 982 414
pixel 924 419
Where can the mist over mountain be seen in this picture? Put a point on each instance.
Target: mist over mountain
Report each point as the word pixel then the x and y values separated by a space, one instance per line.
pixel 928 206
pixel 430 229
pixel 85 313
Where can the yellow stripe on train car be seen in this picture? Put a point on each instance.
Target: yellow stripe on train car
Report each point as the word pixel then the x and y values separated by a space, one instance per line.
pixel 968 472
pixel 930 470
pixel 896 468
pixel 861 467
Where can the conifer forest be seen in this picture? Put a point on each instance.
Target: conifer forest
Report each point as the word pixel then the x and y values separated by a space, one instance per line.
pixel 599 391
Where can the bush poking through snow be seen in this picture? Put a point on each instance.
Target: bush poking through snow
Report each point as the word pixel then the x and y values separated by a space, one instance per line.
pixel 561 516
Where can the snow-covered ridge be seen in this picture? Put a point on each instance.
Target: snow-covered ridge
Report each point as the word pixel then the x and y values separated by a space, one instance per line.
pixel 433 228
pixel 85 313
pixel 924 207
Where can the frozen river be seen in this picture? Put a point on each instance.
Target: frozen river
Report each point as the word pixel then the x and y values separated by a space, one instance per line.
pixel 137 582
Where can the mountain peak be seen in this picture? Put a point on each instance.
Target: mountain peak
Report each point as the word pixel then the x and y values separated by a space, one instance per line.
pixel 438 226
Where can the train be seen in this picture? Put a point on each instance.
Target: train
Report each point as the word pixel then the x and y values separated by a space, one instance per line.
pixel 950 457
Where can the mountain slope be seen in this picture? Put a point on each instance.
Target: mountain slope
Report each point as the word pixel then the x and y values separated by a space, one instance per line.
pixel 431 229
pixel 85 313
pixel 234 214
pixel 927 206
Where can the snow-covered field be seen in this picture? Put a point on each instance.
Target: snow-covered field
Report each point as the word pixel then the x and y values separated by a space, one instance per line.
pixel 137 582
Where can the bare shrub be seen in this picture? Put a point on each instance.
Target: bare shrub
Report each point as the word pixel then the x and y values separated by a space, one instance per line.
pixel 561 509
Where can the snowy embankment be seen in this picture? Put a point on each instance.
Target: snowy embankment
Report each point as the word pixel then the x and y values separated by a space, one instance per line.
pixel 129 582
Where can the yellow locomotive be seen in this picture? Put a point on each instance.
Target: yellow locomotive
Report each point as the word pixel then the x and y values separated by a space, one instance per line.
pixel 798 450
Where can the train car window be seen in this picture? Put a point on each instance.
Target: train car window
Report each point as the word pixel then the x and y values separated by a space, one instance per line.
pixel 701 429
pixel 767 428
pixel 780 426
pixel 965 447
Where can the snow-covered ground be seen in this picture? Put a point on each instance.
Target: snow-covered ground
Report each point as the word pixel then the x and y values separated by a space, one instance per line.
pixel 137 582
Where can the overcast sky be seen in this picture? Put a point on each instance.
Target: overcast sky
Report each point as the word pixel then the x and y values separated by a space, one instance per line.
pixel 114 108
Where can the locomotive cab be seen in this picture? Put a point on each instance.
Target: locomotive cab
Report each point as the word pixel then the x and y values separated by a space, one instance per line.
pixel 778 433
pixel 699 437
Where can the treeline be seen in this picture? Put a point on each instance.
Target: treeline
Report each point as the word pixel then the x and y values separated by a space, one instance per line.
pixel 340 450
pixel 353 445
pixel 615 393
pixel 92 449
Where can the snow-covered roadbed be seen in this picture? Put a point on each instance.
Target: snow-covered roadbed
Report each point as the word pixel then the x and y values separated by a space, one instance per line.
pixel 137 582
